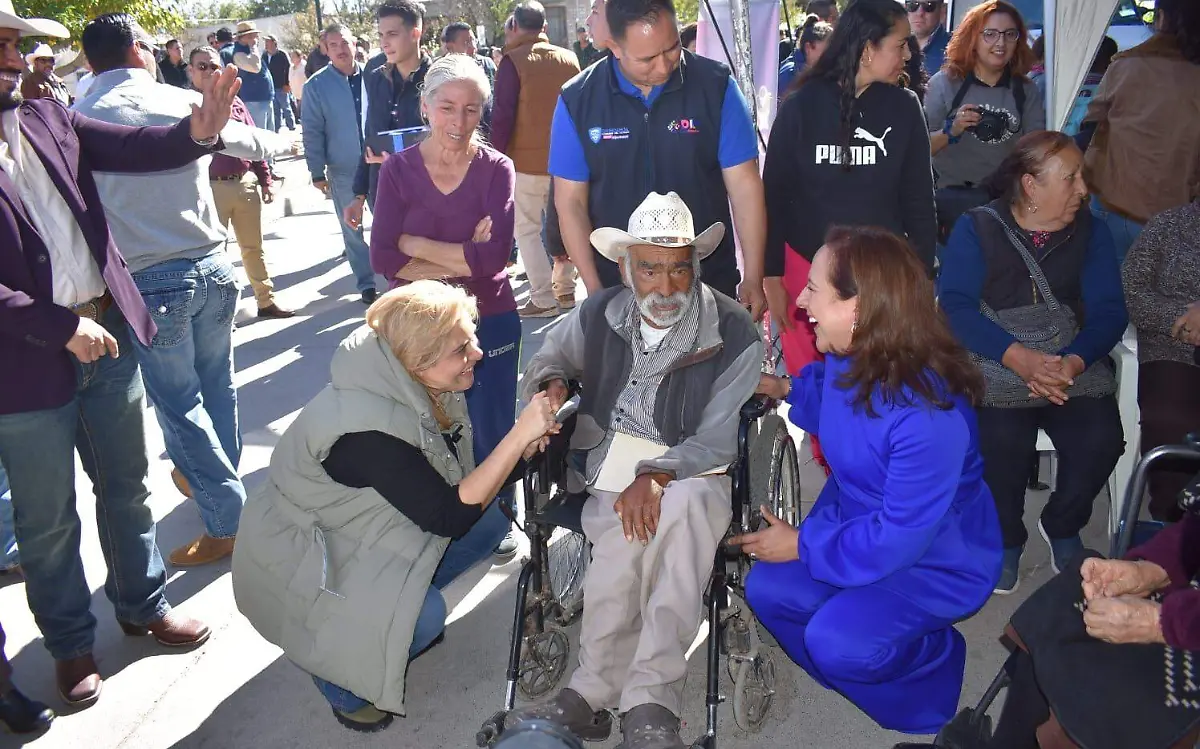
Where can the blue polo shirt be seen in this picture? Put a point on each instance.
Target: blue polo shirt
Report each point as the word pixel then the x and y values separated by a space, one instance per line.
pixel 738 142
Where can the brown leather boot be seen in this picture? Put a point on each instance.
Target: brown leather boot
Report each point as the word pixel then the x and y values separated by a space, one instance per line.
pixel 173 630
pixel 78 680
pixel 204 550
pixel 181 483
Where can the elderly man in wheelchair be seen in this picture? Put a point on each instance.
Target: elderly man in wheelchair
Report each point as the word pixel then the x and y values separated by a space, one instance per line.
pixel 665 365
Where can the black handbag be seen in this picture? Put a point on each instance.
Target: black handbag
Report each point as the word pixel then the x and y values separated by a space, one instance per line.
pixel 1044 326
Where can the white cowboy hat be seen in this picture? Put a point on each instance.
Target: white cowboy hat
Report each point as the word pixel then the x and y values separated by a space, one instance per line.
pixel 246 27
pixel 42 50
pixel 661 221
pixel 29 26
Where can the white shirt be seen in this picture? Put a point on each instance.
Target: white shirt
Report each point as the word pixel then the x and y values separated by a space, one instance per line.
pixel 77 278
pixel 652 336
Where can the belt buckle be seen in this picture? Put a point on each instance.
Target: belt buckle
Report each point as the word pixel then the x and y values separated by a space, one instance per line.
pixel 90 310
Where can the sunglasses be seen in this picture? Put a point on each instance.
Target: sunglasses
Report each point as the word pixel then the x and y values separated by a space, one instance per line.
pixel 991 36
pixel 930 6
pixel 204 67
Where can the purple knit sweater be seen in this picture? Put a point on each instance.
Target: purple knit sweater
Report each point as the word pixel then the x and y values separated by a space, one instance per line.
pixel 408 202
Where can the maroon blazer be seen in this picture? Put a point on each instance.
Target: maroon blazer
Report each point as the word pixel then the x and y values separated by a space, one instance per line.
pixel 36 370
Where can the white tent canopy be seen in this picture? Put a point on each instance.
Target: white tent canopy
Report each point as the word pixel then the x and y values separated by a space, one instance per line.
pixel 1073 31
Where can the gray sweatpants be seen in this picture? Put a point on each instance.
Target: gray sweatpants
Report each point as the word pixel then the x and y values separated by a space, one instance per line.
pixel 643 604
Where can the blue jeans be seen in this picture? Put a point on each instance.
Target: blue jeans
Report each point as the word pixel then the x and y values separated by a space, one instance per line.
pixel 263 113
pixel 8 539
pixel 341 187
pixel 1124 231
pixel 283 113
pixel 104 422
pixel 188 369
pixel 492 400
pixel 461 555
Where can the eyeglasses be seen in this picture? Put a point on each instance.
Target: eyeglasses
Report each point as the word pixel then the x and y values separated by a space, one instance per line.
pixel 204 67
pixel 991 36
pixel 930 6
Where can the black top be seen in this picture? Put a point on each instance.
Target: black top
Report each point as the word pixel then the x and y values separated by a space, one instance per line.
pixel 356 91
pixel 279 66
pixel 394 102
pixel 889 182
pixel 176 75
pixel 400 473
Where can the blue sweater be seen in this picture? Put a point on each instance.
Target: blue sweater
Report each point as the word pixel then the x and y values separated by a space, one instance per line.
pixel 906 506
pixel 960 286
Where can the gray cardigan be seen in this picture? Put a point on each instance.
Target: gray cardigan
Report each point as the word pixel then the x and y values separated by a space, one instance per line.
pixel 1162 277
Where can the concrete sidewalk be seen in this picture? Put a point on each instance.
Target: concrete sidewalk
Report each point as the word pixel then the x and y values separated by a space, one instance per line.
pixel 236 691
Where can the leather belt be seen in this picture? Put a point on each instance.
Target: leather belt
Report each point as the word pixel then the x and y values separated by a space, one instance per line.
pixel 94 309
pixel 228 178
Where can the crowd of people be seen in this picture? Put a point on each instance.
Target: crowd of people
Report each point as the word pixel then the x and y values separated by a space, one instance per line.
pixel 947 277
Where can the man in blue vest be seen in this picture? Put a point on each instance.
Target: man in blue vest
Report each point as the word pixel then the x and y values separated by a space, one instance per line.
pixel 928 25
pixel 258 90
pixel 656 118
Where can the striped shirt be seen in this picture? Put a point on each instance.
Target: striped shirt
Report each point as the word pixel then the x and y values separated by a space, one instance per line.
pixel 635 406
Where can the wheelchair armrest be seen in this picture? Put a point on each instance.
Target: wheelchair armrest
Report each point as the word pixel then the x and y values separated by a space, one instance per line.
pixel 756 408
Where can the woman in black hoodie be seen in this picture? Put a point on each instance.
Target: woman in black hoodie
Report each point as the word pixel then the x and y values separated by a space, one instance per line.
pixel 848 147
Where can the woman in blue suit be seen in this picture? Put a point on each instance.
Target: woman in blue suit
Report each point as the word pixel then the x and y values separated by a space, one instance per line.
pixel 904 539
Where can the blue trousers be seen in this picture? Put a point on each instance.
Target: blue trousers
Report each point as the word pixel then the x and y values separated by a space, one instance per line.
pixel 898 663
pixel 103 422
pixel 1124 231
pixel 8 538
pixel 491 404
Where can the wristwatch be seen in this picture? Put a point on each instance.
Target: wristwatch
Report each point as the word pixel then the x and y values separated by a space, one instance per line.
pixel 948 130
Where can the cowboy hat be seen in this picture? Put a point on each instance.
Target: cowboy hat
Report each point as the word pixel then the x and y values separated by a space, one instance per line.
pixel 661 221
pixel 246 27
pixel 29 26
pixel 40 51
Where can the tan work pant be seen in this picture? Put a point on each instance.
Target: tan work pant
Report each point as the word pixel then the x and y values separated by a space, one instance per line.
pixel 240 202
pixel 643 604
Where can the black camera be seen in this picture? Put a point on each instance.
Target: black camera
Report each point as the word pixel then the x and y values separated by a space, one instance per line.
pixel 995 125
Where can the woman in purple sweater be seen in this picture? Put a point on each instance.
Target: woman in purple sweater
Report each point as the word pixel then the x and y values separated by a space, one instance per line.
pixel 444 210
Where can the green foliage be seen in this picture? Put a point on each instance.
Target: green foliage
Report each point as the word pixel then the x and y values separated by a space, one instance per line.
pixel 687 11
pixel 156 16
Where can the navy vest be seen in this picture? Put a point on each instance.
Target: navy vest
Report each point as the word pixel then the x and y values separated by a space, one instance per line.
pixel 672 146
pixel 255 86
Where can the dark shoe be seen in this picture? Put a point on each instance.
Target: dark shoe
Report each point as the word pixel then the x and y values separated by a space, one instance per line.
pixel 507 547
pixel 19 714
pixel 368 719
pixel 1062 550
pixel 369 296
pixel 78 681
pixel 650 726
pixel 569 710
pixel 172 631
pixel 1010 571
pixel 274 310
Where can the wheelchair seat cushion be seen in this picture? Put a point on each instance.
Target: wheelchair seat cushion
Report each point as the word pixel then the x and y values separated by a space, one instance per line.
pixel 1105 696
pixel 567 513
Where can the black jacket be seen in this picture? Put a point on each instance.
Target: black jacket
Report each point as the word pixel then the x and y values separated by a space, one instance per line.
pixel 391 104
pixel 280 66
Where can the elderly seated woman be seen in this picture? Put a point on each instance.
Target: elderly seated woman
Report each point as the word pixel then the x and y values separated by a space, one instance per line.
pixel 1106 653
pixel 1031 286
pixel 343 551
pixel 666 364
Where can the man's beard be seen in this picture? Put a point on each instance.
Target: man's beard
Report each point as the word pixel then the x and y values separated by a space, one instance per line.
pixel 11 99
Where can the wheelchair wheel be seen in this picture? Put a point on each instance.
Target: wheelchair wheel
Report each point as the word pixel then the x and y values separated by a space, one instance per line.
pixel 567 563
pixel 543 662
pixel 774 473
pixel 753 692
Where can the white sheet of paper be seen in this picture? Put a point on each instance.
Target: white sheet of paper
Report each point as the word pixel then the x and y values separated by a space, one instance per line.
pixel 620 465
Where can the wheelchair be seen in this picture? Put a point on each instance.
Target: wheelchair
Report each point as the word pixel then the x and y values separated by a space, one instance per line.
pixel 972 725
pixel 550 585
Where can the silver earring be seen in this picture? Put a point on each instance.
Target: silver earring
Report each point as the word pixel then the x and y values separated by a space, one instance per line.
pixel 1033 207
pixel 854 327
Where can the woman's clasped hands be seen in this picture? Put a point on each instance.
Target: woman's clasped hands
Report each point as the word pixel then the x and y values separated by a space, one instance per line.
pixel 1048 376
pixel 1117 608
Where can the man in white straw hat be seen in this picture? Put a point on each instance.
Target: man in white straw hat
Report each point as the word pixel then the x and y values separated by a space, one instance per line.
pixel 665 365
pixel 41 82
pixel 258 89
pixel 69 313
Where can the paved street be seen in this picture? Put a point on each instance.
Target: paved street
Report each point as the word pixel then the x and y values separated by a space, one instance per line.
pixel 236 691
